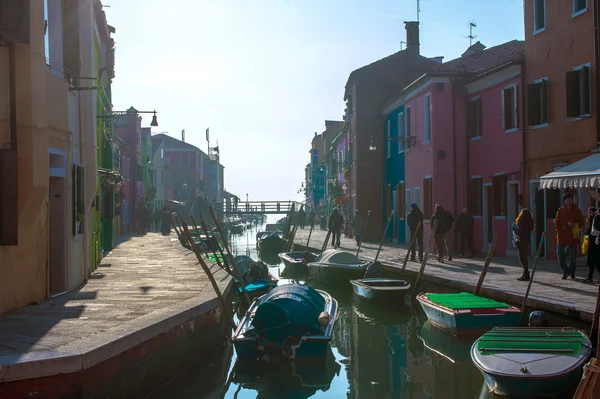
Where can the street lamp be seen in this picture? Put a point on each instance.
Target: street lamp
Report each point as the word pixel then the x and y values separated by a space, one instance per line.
pixel 112 115
pixel 408 141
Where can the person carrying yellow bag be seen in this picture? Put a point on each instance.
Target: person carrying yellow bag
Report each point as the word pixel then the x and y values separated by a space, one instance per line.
pixel 592 237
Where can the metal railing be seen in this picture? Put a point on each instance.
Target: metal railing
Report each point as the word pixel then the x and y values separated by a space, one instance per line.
pixel 250 207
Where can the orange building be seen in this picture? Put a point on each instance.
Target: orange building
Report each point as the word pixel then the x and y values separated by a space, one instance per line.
pixel 561 113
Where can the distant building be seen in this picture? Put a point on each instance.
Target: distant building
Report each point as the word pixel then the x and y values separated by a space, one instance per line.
pixel 322 183
pixel 367 90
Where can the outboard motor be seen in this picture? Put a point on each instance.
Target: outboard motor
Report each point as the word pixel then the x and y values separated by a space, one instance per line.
pixel 374 270
pixel 538 319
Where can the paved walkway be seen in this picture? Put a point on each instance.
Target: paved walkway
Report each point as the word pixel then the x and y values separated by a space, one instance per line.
pixel 573 298
pixel 145 286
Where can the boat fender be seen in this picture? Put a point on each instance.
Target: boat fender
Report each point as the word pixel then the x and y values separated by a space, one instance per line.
pixel 324 319
pixel 538 319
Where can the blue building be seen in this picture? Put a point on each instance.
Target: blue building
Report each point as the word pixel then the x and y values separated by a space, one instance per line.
pixel 394 194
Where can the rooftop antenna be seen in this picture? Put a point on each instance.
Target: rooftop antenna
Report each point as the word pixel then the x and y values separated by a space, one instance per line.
pixel 418 9
pixel 472 25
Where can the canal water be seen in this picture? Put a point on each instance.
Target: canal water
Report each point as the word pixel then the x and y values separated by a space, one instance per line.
pixel 376 352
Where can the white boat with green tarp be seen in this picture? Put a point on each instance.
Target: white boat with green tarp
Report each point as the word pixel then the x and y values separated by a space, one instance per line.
pixel 531 362
pixel 467 314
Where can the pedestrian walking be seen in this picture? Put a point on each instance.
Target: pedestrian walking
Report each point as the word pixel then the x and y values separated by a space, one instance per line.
pixel 336 221
pixel 301 217
pixel 568 222
pixel 311 217
pixel 323 221
pixel 593 233
pixel 464 226
pixel 357 226
pixel 157 218
pixel 412 219
pixel 522 229
pixel 166 221
pixel 141 218
pixel 445 220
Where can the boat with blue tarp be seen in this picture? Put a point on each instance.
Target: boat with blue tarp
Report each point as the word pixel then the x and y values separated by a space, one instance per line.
pixel 257 278
pixel 292 322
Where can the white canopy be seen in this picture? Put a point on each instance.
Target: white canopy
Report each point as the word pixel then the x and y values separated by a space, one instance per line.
pixel 581 174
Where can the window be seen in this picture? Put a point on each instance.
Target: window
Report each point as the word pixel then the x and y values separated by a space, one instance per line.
pixel 510 115
pixel 474 196
pixel 184 160
pixel 427 198
pixel 537 102
pixel 499 190
pixel 417 199
pixel 70 36
pixel 578 92
pixel 579 7
pixel 539 15
pixel 77 187
pixel 401 201
pixel 388 142
pixel 427 114
pixel 401 132
pixel 474 118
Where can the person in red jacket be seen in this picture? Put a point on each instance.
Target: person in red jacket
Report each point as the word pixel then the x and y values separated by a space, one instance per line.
pixel 569 222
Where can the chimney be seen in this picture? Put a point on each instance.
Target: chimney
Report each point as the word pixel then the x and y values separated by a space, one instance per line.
pixel 183 135
pixel 412 36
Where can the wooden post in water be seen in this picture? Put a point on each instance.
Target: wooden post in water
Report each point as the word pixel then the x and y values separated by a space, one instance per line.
pixel 202 221
pixel 312 226
pixel 234 267
pixel 426 255
pixel 324 247
pixel 387 226
pixel 209 275
pixel 412 244
pixel 208 240
pixel 486 264
pixel 362 232
pixel 288 223
pixel 537 256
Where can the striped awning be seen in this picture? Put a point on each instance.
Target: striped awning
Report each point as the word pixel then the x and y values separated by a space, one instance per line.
pixel 581 174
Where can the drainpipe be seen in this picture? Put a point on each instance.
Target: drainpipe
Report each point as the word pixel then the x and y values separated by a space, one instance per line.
pixel 454 147
pixel 85 224
pixel 597 63
pixel 524 177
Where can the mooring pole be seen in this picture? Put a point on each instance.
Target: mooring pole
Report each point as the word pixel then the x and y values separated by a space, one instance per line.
pixel 426 255
pixel 535 261
pixel 486 265
pixel 360 235
pixel 412 245
pixel 387 226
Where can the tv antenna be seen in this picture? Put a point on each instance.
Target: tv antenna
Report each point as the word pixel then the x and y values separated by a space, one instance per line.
pixel 472 25
pixel 418 9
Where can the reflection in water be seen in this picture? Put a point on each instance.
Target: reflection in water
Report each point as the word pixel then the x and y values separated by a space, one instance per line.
pixel 376 353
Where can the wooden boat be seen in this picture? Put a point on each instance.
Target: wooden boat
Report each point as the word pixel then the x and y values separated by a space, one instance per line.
pixel 257 278
pixel 298 259
pixel 292 322
pixel 334 267
pixel 380 289
pixel 531 362
pixel 272 242
pixel 467 314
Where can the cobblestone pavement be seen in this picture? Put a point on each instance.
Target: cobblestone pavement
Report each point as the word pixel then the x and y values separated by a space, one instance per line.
pixel 574 298
pixel 147 281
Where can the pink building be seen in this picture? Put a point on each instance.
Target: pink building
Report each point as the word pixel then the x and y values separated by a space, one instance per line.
pixel 466 120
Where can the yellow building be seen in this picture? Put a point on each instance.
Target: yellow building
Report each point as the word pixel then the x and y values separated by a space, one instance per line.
pixel 48 150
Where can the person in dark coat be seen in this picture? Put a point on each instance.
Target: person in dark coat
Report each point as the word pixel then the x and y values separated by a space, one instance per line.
pixel 412 219
pixel 323 221
pixel 311 217
pixel 301 217
pixel 445 220
pixel 336 221
pixel 593 229
pixel 167 219
pixel 523 227
pixel 464 226
pixel 357 226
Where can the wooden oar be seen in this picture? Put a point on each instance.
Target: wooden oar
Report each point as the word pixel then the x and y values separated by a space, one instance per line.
pixel 387 226
pixel 412 245
pixel 209 275
pixel 360 236
pixel 486 265
pixel 234 268
pixel 426 255
pixel 537 256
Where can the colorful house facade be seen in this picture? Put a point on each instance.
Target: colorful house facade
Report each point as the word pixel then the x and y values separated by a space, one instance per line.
pixel 455 113
pixel 561 118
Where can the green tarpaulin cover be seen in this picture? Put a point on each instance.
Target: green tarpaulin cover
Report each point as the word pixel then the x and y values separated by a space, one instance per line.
pixel 531 340
pixel 464 300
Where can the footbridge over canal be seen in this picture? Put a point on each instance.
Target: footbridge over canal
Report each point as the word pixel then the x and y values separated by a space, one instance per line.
pixel 231 208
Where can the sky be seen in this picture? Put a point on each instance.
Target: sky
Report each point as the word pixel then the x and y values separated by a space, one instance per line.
pixel 264 75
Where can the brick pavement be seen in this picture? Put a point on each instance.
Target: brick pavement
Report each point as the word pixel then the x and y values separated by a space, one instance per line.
pixel 573 298
pixel 145 286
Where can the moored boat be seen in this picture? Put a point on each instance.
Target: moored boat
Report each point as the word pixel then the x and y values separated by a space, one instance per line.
pixel 531 362
pixel 257 278
pixel 467 314
pixel 380 289
pixel 334 267
pixel 292 321
pixel 272 242
pixel 297 259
